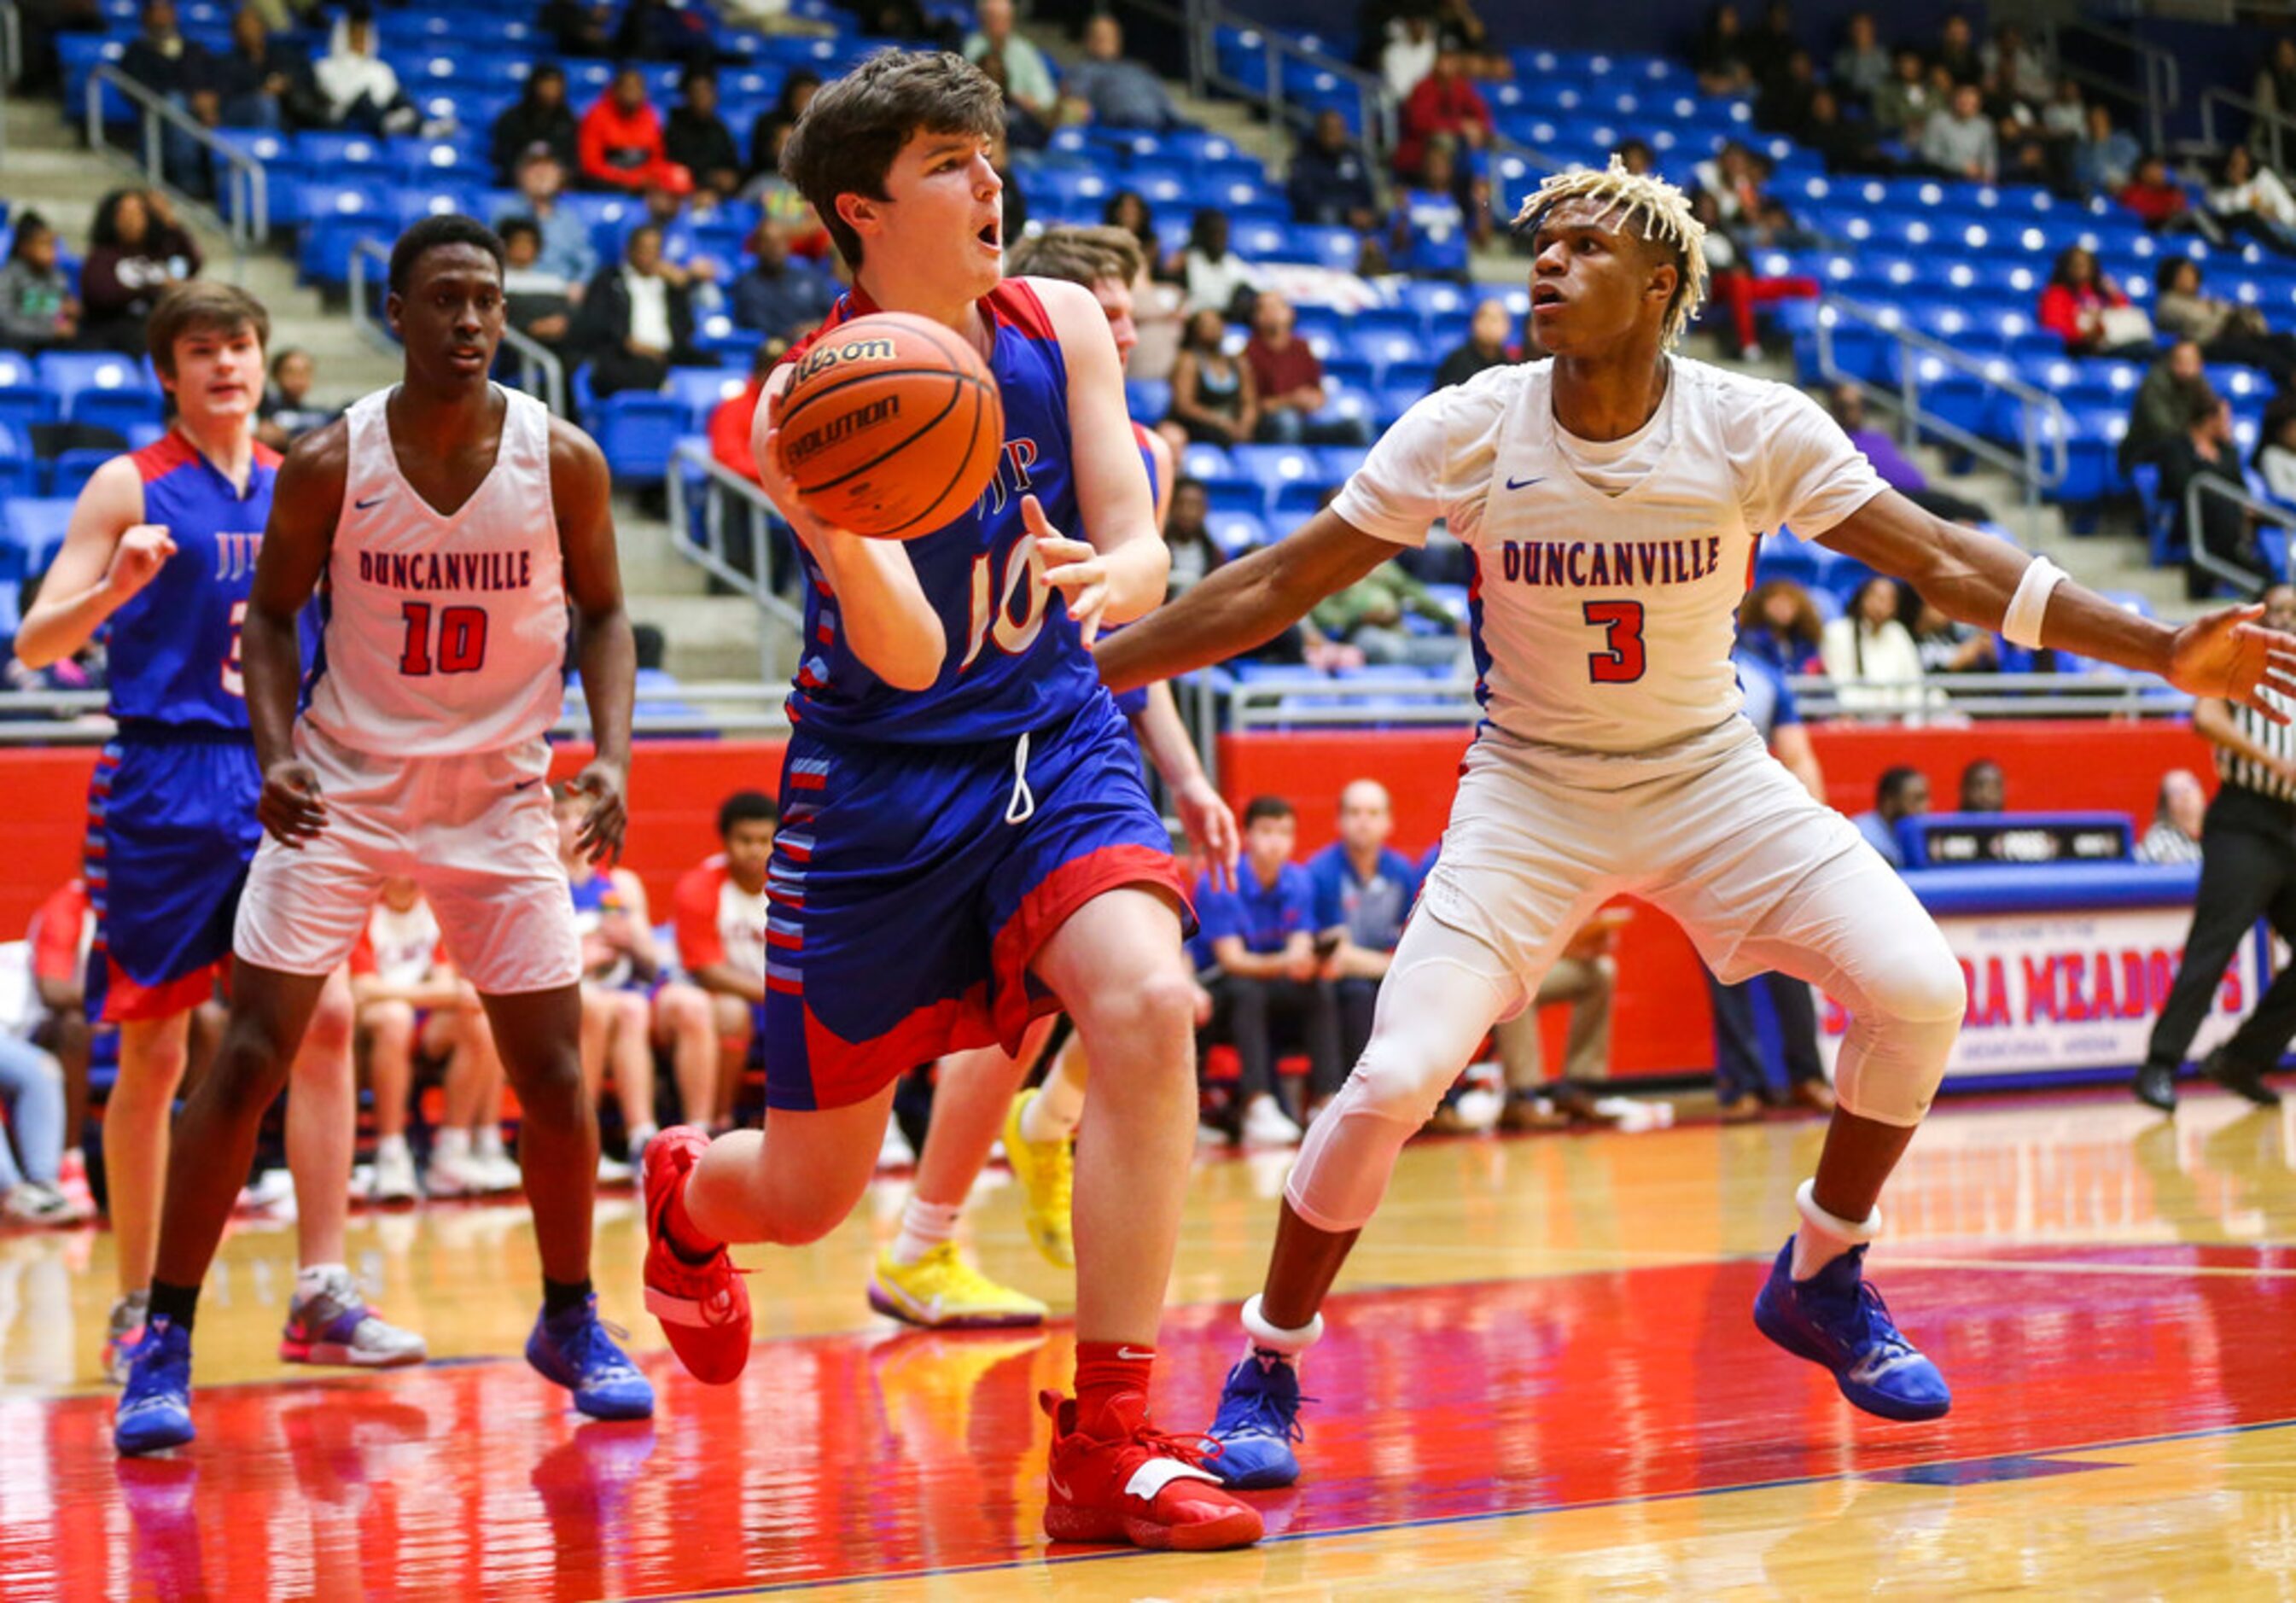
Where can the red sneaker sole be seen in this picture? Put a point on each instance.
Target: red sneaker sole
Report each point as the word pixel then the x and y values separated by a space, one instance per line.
pixel 1239 1527
pixel 714 1355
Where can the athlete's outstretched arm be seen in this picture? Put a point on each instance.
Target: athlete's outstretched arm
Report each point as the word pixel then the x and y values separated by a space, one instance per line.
pixel 604 649
pixel 1114 568
pixel 1243 603
pixel 1203 812
pixel 1973 576
pixel 109 553
pixel 305 502
pixel 881 607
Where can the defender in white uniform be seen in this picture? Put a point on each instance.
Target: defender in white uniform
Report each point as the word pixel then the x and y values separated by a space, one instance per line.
pixel 1613 499
pixel 447 524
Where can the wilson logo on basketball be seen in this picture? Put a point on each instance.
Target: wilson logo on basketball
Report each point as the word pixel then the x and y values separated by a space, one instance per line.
pixel 840 427
pixel 823 357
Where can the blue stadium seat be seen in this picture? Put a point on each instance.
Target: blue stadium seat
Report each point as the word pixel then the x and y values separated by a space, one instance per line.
pixel 1392 401
pixel 1358 371
pixel 24 400
pixel 1236 495
pixel 1209 463
pixel 71 471
pixel 724 339
pixel 35 526
pixel 83 386
pixel 2160 517
pixel 19 474
pixel 637 430
pixel 1338 249
pixel 701 390
pixel 1273 467
pixel 1147 399
pixel 1261 241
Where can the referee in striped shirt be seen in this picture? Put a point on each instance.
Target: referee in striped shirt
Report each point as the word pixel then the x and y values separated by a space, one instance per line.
pixel 2248 871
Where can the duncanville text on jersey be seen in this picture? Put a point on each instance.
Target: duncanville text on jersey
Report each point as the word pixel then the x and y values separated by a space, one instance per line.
pixel 421 571
pixel 1607 564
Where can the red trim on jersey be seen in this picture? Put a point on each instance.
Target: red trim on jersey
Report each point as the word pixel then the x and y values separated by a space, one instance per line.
pixel 864 1068
pixel 1052 902
pixel 164 455
pixel 127 1002
pixel 264 457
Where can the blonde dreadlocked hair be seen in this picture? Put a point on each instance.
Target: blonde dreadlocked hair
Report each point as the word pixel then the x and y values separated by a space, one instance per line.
pixel 1648 205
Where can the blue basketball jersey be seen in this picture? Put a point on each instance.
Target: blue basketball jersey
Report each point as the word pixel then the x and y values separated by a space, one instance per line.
pixel 174 650
pixel 1016 660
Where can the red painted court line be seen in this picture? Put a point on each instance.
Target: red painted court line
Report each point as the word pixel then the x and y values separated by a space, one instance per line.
pixel 857 1455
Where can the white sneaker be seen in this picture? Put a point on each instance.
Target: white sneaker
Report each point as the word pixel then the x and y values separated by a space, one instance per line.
pixel 457 1174
pixel 612 1173
pixel 393 1179
pixel 1266 1125
pixel 32 1202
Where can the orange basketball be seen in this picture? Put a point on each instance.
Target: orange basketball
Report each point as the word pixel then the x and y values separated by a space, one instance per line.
pixel 891 426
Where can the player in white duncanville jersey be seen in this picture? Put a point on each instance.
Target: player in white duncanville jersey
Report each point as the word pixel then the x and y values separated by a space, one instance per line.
pixel 1613 498
pixel 452 523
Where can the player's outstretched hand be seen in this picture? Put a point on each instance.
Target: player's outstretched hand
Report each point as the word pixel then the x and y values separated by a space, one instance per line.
pixel 136 561
pixel 2228 654
pixel 609 816
pixel 1210 826
pixel 290 807
pixel 1073 568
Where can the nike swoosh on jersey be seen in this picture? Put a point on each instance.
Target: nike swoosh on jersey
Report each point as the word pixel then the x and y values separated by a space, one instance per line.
pixel 1525 483
pixel 370 501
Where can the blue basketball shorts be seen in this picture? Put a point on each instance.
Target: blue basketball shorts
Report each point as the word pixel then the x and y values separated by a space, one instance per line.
pixel 912 887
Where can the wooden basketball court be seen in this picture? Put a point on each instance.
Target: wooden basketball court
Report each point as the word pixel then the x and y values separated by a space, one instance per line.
pixel 1542 1379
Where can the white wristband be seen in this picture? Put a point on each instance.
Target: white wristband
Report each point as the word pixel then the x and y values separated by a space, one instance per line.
pixel 2022 624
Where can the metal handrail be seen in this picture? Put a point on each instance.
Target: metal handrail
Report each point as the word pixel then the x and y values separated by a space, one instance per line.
pixel 2196 549
pixel 249 224
pixel 2038 403
pixel 715 707
pixel 2162 83
pixel 2257 112
pixel 1375 106
pixel 12 61
pixel 727 489
pixel 536 362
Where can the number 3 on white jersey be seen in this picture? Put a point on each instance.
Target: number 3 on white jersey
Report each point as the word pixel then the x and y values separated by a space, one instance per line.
pixel 992 604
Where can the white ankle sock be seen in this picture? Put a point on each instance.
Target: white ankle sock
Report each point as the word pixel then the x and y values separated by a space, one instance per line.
pixel 453 1145
pixel 924 1225
pixel 392 1145
pixel 312 1278
pixel 488 1142
pixel 1823 1238
pixel 1053 1112
pixel 1265 1337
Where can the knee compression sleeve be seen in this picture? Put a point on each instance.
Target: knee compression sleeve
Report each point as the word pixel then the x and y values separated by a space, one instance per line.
pixel 1903 1021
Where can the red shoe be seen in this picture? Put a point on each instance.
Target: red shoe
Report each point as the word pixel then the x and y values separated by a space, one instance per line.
pixel 1146 1489
pixel 704 1307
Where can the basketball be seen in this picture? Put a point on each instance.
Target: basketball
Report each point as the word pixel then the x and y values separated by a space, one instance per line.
pixel 891 426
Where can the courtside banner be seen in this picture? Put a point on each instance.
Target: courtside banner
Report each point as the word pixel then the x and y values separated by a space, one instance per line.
pixel 2054 991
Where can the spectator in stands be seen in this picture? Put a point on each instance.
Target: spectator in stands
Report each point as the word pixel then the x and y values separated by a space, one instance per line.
pixel 2089 312
pixel 2157 416
pixel 1847 402
pixel 2020 65
pixel 1984 787
pixel 2177 817
pixel 581 28
pixel 1957 53
pixel 1118 93
pixel 1870 656
pixel 1782 106
pixel 1017 67
pixel 1370 615
pixel 1846 146
pixel 2227 530
pixel 1903 105
pixel 2244 197
pixel 566 252
pixel 733 421
pixel 540 115
pixel 1288 378
pixel 771 127
pixel 720 920
pixel 1489 335
pixel 625 987
pixel 1433 232
pixel 161 59
pixel 775 295
pixel 1408 52
pixel 2065 120
pixel 1446 106
pixel 2276 454
pixel 2274 91
pixel 1861 66
pixel 287 410
pixel 620 137
pixel 260 82
pixel 1636 156
pixel 1583 978
pixel 1128 211
pixel 1780 624
pixel 655 30
pixel 1188 536
pixel 696 138
pixel 1215 277
pixel 1958 141
pixel 1214 399
pixel 1330 179
pixel 2225 330
pixel 780 203
pixel 135 250
pixel 1737 291
pixel 688 260
pixel 537 301
pixel 359 91
pixel 32 1138
pixel 1721 57
pixel 38 309
pixel 1901 792
pixel 1262 939
pixel 2160 201
pixel 1363 891
pixel 636 321
pixel 1948 646
pixel 58 937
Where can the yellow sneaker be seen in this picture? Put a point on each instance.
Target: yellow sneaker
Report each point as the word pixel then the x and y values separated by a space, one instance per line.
pixel 1047 1171
pixel 942 1292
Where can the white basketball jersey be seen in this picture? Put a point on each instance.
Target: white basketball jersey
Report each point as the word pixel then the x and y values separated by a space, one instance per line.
pixel 1604 621
pixel 444 635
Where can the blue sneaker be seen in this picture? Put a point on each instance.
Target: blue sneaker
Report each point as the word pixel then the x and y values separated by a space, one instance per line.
pixel 1837 1319
pixel 576 1350
pixel 1258 1421
pixel 156 1412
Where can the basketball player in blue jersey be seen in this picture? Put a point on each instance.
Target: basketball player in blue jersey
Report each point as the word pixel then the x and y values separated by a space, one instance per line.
pixel 923 1277
pixel 965 841
pixel 459 528
pixel 163 546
